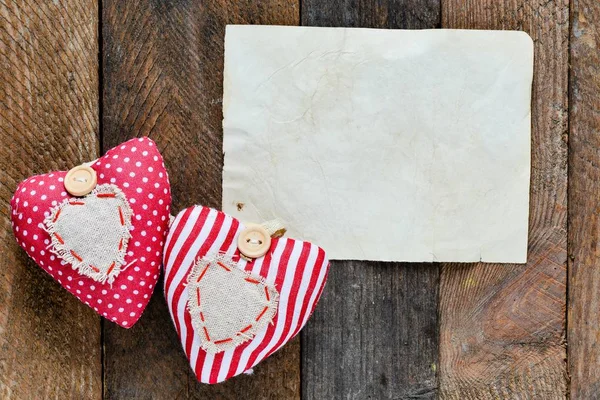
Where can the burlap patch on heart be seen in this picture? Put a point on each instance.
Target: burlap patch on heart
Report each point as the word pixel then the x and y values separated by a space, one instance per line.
pixel 228 306
pixel 92 232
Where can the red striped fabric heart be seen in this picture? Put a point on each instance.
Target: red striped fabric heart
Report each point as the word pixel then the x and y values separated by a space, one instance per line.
pixel 293 272
pixel 106 247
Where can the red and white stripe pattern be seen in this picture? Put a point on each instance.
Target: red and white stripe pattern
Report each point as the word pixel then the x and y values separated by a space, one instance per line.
pixel 297 269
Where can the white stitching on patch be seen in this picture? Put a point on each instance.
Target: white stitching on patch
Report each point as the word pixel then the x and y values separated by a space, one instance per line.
pixel 240 304
pixel 111 259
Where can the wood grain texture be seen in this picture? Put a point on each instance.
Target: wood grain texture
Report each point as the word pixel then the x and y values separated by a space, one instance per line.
pixel 502 327
pixel 584 198
pixel 162 65
pixel 49 341
pixel 393 14
pixel 374 333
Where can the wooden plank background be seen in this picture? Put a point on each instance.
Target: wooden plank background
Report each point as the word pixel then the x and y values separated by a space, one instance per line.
pixel 49 341
pixel 502 327
pixel 374 334
pixel 78 77
pixel 162 78
pixel 584 192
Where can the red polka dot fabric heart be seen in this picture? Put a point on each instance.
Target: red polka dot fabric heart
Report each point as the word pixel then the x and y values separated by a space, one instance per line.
pixel 105 247
pixel 230 313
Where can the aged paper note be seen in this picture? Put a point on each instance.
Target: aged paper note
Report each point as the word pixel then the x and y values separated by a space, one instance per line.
pixel 381 144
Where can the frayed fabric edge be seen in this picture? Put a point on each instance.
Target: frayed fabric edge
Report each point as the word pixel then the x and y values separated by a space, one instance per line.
pixel 195 310
pixel 101 274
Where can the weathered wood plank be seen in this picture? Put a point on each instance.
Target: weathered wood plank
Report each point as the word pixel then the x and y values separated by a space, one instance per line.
pixel 584 194
pixel 502 327
pixel 49 341
pixel 374 333
pixel 163 64
pixel 395 14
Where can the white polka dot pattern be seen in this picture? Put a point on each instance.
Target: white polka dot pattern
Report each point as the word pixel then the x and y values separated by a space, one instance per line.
pixel 148 192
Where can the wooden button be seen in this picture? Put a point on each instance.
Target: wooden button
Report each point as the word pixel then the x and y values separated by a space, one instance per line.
pixel 80 180
pixel 254 241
